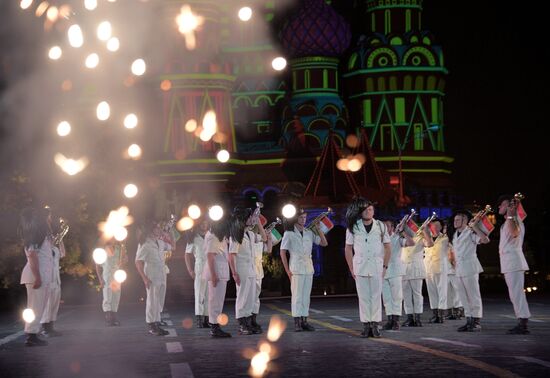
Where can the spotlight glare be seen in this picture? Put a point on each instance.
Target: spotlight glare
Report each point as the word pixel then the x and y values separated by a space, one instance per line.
pixel 134 151
pixel 194 211
pixel 289 210
pixel 76 39
pixel 63 128
pixel 223 156
pixel 185 223
pixel 245 13
pixel 99 255
pixel 278 63
pixel 120 276
pixel 92 61
pixel 130 191
pixel 138 67
pixel 113 44
pixel 55 53
pixel 24 4
pixel 103 111
pixel 104 31
pixel 130 121
pixel 215 212
pixel 28 315
pixel 90 4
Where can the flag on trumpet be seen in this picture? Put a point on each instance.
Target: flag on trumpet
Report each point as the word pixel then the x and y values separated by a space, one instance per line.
pixel 485 225
pixel 325 225
pixel 411 228
pixel 521 212
pixel 263 220
pixel 275 236
pixel 432 229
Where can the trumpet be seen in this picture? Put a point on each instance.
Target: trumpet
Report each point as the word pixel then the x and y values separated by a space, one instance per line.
pixel 312 225
pixel 169 225
pixel 426 223
pixel 272 225
pixel 518 197
pixel 401 225
pixel 256 215
pixel 63 229
pixel 480 214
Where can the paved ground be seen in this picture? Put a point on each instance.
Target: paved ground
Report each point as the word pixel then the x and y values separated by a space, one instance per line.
pixel 89 349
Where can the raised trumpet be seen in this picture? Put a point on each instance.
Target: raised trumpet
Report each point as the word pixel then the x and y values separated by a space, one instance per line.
pixel 401 225
pixel 312 225
pixel 480 214
pixel 63 230
pixel 426 223
pixel 518 197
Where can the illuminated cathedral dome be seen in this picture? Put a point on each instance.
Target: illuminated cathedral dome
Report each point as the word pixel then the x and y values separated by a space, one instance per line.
pixel 316 30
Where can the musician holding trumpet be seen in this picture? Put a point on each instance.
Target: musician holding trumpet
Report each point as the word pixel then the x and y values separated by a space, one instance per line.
pixel 435 260
pixel 298 241
pixel 512 260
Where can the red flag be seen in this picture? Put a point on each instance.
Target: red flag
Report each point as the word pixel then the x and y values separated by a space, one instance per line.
pixel 521 212
pixel 325 225
pixel 433 231
pixel 485 225
pixel 263 220
pixel 411 228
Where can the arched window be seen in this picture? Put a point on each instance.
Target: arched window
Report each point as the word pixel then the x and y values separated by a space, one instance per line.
pixel 387 21
pixel 407 20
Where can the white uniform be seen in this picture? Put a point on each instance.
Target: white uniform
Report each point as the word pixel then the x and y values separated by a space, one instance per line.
pixel 467 271
pixel 196 247
pixel 392 287
pixel 164 247
pixel 246 269
pixel 301 266
pixel 37 298
pixel 152 255
pixel 435 260
pixel 513 265
pixel 111 288
pixel 54 295
pixel 258 264
pixel 453 298
pixel 216 295
pixel 368 265
pixel 415 272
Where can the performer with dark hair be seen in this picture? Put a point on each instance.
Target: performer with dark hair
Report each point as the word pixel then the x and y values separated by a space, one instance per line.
pixel 435 260
pixel 512 260
pixel 116 258
pixel 150 265
pixel 463 254
pixel 216 272
pixel 195 250
pixel 368 252
pixel 298 241
pixel 38 273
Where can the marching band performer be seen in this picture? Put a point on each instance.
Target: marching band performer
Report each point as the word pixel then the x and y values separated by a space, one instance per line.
pixel 298 241
pixel 259 249
pixel 512 260
pixel 216 272
pixel 464 257
pixel 38 273
pixel 370 241
pixel 453 298
pixel 435 260
pixel 116 258
pixel 195 250
pixel 392 287
pixel 167 239
pixel 242 263
pixel 415 272
pixel 150 265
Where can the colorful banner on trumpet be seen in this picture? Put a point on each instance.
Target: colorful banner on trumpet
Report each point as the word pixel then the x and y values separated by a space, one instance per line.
pixel 432 229
pixel 275 236
pixel 263 220
pixel 325 225
pixel 485 225
pixel 411 228
pixel 521 212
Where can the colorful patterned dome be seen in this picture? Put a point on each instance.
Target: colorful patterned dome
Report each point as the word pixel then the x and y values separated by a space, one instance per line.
pixel 316 30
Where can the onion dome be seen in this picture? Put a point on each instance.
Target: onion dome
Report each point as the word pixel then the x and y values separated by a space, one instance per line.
pixel 315 30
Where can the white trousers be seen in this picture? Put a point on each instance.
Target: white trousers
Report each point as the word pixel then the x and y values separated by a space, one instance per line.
pixel 216 297
pixel 392 295
pixel 515 282
pixel 52 305
pixel 153 304
pixel 413 301
pixel 111 296
pixel 162 295
pixel 300 288
pixel 256 309
pixel 246 295
pixel 201 295
pixel 437 284
pixel 453 298
pixel 470 295
pixel 369 291
pixel 36 301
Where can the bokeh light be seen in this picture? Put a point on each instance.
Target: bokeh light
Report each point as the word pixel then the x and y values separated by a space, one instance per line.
pixel 113 44
pixel 55 53
pixel 76 39
pixel 99 255
pixel 289 210
pixel 28 315
pixel 63 128
pixel 103 111
pixel 223 156
pixel 245 13
pixel 138 67
pixel 215 212
pixel 278 63
pixel 92 61
pixel 194 211
pixel 130 121
pixel 130 190
pixel 120 276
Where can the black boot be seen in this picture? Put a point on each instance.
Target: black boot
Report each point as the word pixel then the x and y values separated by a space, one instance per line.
pixel 297 324
pixel 216 331
pixel 109 319
pixel 33 340
pixel 520 329
pixel 461 313
pixel 375 332
pixel 389 324
pixel 434 316
pixel 440 316
pixel 452 314
pixel 475 325
pixel 51 331
pixel 409 322
pixel 466 326
pixel 256 328
pixel 114 319
pixel 153 329
pixel 305 325
pixel 205 322
pixel 199 321
pixel 161 331
pixel 417 321
pixel 366 330
pixel 243 327
pixel 395 325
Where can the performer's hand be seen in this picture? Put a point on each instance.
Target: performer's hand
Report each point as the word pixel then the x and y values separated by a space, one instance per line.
pixel 215 280
pixel 237 279
pixel 147 282
pixel 101 283
pixel 37 283
pixel 192 274
pixel 289 274
pixel 352 273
